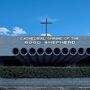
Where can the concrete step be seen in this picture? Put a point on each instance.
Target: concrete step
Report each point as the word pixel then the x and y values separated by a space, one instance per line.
pixel 44 88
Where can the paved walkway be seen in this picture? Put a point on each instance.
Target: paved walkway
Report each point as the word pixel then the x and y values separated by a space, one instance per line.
pixel 44 88
pixel 46 82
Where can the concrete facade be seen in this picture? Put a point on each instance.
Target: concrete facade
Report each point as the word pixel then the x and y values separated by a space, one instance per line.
pixel 46 49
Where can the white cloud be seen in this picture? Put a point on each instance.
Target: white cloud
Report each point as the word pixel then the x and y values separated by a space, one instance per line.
pixel 4 31
pixel 45 34
pixel 88 33
pixel 42 19
pixel 18 31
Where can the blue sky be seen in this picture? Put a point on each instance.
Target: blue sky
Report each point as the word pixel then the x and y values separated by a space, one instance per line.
pixel 69 17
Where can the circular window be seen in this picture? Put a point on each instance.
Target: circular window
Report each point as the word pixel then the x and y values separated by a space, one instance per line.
pixel 48 51
pixel 23 51
pixel 64 51
pixel 15 51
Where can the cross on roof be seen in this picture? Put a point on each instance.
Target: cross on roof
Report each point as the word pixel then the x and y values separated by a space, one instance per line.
pixel 46 22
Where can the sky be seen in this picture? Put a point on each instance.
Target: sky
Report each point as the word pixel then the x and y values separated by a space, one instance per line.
pixel 23 17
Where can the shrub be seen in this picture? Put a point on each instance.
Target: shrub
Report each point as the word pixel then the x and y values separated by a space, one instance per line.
pixel 44 72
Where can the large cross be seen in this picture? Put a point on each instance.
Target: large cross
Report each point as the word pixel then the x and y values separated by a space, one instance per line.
pixel 46 22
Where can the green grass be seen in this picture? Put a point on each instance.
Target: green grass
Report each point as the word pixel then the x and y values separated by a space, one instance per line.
pixel 44 72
